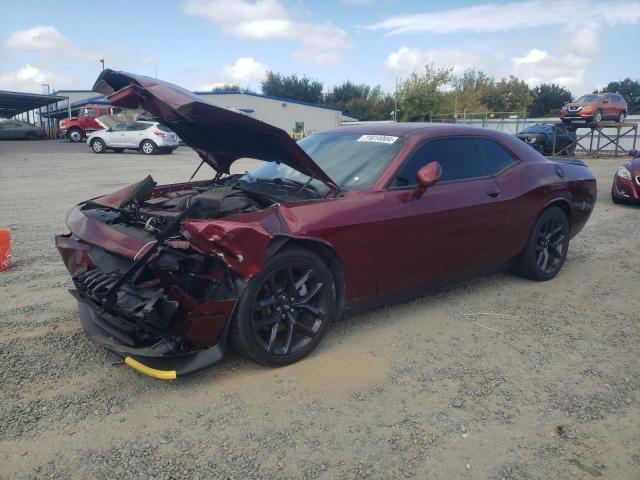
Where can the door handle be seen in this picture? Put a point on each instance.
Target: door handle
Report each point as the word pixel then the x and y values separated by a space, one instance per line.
pixel 493 193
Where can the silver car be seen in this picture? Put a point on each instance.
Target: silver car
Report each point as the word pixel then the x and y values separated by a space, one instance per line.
pixel 146 137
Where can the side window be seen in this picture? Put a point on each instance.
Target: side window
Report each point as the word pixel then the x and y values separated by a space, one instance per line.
pixel 459 158
pixel 90 113
pixel 496 158
pixel 120 127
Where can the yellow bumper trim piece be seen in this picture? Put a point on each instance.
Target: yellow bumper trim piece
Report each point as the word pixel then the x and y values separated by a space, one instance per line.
pixel 152 372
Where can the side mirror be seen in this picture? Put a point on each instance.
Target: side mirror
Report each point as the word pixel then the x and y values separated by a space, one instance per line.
pixel 427 176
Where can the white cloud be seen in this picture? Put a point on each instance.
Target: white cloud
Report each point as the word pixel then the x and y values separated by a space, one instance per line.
pixel 49 41
pixel 245 72
pixel 533 56
pixel 408 60
pixel 566 69
pixel 30 79
pixel 269 20
pixel 495 17
pixel 39 37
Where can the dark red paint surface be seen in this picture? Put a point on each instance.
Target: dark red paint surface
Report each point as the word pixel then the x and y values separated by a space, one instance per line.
pixel 386 240
pixel 629 187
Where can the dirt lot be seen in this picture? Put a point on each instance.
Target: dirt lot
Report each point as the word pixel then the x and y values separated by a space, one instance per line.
pixel 500 378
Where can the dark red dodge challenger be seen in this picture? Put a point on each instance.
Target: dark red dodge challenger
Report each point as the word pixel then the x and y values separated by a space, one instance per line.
pixel 166 275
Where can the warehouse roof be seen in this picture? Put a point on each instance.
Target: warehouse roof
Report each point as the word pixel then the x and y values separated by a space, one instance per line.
pixel 15 103
pixel 231 92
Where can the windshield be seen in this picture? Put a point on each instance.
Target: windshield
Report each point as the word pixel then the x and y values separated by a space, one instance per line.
pixel 352 160
pixel 589 98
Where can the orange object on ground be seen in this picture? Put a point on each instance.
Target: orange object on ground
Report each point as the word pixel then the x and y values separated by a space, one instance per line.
pixel 5 249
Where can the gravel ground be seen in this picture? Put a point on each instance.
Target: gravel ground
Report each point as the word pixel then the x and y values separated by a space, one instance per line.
pixel 498 378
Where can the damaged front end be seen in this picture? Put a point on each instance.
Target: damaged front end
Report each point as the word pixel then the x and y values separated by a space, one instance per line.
pixel 156 277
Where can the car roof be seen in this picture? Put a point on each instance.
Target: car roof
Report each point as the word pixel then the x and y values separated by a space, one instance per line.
pixel 416 129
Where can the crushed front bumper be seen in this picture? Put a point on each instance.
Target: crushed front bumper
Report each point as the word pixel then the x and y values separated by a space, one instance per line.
pixel 146 360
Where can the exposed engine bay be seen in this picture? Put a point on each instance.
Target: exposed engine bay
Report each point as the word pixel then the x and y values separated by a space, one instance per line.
pixel 151 209
pixel 161 298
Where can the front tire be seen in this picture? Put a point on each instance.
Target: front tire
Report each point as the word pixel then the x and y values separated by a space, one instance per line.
pixel 598 116
pixel 148 147
pixel 75 135
pixel 98 146
pixel 616 200
pixel 547 246
pixel 285 311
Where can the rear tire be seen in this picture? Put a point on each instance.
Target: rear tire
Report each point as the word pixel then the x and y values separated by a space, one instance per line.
pixel 621 117
pixel 547 246
pixel 31 135
pixel 285 311
pixel 148 147
pixel 75 135
pixel 98 146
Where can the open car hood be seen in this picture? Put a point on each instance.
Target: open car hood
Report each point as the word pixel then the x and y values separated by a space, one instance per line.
pixel 219 135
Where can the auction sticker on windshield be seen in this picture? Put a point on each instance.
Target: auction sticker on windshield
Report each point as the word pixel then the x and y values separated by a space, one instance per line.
pixel 378 138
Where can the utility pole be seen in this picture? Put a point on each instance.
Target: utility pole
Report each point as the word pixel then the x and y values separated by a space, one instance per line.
pixel 102 62
pixel 395 103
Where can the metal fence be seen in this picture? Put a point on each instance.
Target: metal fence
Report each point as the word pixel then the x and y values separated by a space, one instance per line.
pixel 515 122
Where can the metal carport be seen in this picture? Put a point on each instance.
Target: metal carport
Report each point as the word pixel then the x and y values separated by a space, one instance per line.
pixel 15 103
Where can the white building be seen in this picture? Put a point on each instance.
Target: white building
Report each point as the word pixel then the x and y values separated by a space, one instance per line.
pixel 289 115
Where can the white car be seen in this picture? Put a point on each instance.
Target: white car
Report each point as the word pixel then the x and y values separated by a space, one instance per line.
pixel 147 137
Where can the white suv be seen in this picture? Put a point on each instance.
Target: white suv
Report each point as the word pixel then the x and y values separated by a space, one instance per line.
pixel 147 137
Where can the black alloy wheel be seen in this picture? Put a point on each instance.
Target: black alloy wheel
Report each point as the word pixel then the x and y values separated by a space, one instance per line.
pixel 285 310
pixel 547 247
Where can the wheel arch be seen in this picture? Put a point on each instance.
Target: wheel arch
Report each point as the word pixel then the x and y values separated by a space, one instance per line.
pixel 146 140
pixel 325 251
pixel 563 204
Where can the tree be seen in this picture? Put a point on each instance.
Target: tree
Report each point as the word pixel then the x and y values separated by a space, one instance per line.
pixel 508 95
pixel 630 90
pixel 292 87
pixel 547 99
pixel 470 91
pixel 421 95
pixel 360 100
pixel 226 89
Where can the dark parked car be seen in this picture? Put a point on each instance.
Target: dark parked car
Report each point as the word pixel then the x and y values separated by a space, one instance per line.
pixel 626 182
pixel 541 137
pixel 19 130
pixel 357 216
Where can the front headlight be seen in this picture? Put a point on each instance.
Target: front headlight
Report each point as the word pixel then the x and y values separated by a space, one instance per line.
pixel 623 172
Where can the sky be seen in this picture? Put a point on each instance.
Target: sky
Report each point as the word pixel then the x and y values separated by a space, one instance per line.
pixel 199 44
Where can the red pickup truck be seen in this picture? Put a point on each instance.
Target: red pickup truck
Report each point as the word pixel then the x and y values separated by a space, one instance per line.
pixel 77 128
